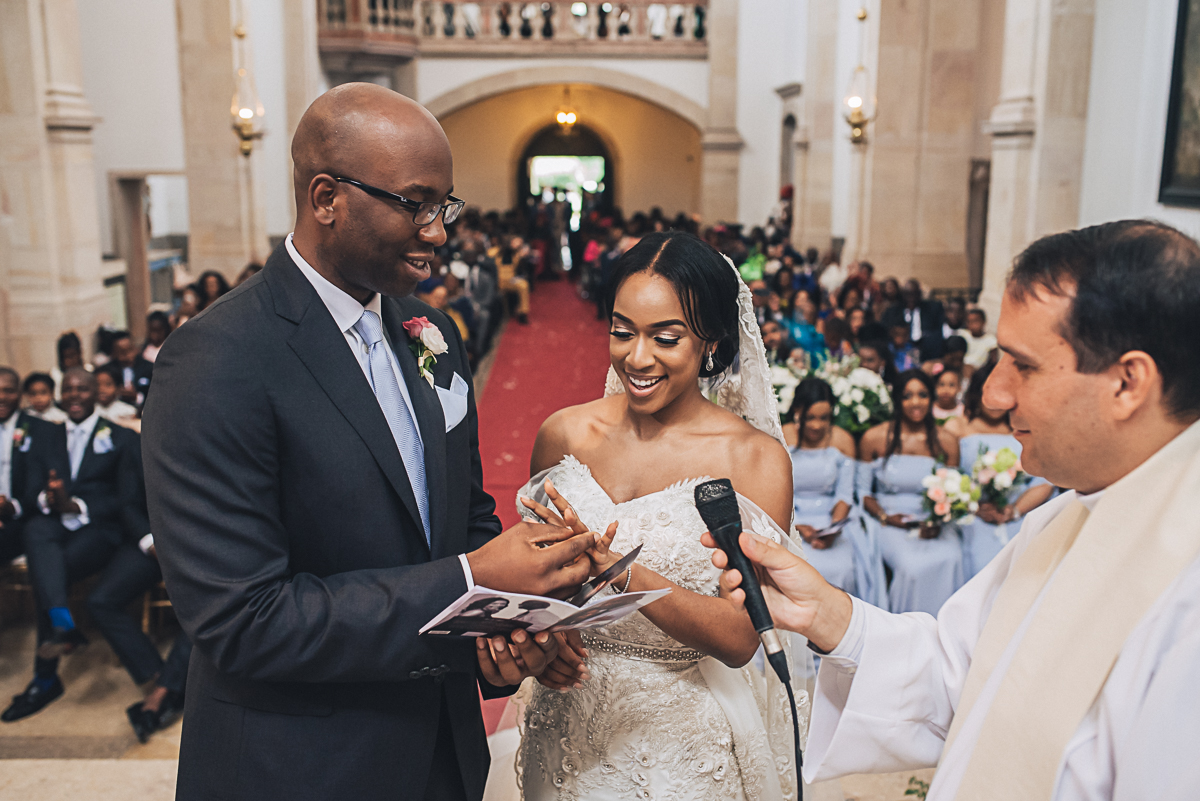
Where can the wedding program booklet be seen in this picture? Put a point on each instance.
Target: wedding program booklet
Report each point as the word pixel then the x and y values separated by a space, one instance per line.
pixel 481 612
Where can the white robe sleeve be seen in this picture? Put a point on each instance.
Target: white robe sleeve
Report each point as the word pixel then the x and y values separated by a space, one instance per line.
pixel 892 711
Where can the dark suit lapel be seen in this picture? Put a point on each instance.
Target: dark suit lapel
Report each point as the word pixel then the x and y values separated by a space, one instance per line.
pixel 322 348
pixel 430 418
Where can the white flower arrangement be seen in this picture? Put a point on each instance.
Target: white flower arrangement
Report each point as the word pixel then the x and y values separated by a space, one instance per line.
pixel 863 398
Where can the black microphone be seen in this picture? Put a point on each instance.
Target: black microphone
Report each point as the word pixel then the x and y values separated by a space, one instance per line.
pixel 717 504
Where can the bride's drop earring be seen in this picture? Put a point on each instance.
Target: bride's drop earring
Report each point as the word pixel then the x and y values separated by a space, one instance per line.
pixel 710 360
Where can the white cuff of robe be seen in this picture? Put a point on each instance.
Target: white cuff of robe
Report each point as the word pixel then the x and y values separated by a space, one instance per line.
pixel 146 543
pixel 467 574
pixel 848 652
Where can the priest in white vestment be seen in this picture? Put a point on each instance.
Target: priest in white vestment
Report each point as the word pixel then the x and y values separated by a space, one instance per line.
pixel 1069 668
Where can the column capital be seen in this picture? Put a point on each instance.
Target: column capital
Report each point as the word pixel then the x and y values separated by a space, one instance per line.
pixel 721 139
pixel 1012 117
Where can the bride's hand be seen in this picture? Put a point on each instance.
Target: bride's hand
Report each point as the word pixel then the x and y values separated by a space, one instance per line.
pixel 603 558
pixel 568 670
pixel 599 554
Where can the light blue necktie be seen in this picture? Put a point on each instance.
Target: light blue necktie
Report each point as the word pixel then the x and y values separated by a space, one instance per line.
pixel 386 384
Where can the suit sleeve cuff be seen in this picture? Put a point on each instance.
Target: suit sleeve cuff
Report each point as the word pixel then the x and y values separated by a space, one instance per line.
pixel 146 543
pixel 17 510
pixel 466 566
pixel 73 521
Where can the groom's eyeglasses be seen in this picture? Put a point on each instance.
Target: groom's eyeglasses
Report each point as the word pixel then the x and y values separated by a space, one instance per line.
pixel 423 213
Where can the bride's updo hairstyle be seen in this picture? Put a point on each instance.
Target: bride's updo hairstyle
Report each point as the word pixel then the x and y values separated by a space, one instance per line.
pixel 706 285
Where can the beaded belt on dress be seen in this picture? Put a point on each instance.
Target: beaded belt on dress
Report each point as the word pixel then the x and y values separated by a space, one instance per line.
pixel 642 652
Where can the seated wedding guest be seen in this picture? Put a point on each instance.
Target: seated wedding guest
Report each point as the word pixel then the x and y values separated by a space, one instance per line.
pixel 212 285
pixel 951 359
pixel 70 354
pixel 823 470
pixel 135 371
pixel 850 297
pixel 980 344
pixel 82 500
pixel 857 318
pixel 946 405
pixel 132 571
pixel 38 390
pixel 876 356
pixel 111 407
pixel 189 305
pixel 837 334
pixel 802 328
pixel 985 429
pixel 507 259
pixel 158 327
pixel 19 432
pixel 925 558
pixel 956 316
pixel 760 296
pixel 904 354
pixel 776 342
pixel 924 319
pixel 249 271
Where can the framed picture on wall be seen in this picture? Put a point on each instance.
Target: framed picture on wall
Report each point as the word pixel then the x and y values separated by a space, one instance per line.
pixel 1180 184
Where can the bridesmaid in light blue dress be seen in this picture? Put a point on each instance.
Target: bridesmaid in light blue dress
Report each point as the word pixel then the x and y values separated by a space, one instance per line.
pixel 823 474
pixel 985 430
pixel 926 561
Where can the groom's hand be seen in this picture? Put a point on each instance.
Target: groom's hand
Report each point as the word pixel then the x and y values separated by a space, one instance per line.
pixel 800 600
pixel 533 558
pixel 504 662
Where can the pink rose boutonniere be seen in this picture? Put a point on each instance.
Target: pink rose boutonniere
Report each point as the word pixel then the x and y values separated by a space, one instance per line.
pixel 427 344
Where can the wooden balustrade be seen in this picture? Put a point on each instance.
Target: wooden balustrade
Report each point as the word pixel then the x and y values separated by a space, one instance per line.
pixel 637 28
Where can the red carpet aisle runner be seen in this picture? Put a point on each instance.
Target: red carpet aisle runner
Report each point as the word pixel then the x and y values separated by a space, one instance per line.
pixel 560 359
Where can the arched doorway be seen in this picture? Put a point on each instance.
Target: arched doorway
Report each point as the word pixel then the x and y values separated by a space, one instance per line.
pixel 571 159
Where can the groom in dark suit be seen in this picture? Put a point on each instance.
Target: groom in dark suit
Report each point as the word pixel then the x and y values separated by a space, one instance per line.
pixel 315 492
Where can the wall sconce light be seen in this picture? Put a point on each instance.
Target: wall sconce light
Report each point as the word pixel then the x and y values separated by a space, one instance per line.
pixel 858 104
pixel 566 117
pixel 246 109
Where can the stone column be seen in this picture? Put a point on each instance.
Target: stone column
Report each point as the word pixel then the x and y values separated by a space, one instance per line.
pixel 51 273
pixel 1037 130
pixel 813 201
pixel 226 214
pixel 720 141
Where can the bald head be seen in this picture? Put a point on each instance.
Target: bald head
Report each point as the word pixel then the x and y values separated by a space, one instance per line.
pixel 355 128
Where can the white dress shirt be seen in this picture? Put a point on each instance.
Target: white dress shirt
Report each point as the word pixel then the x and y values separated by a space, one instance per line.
pixel 78 436
pixel 886 696
pixel 7 430
pixel 346 311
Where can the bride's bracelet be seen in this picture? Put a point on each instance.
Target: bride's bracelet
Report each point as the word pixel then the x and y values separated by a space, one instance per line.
pixel 628 578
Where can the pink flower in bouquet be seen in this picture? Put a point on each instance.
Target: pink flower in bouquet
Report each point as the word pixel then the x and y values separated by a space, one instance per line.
pixel 986 475
pixel 942 509
pixel 937 494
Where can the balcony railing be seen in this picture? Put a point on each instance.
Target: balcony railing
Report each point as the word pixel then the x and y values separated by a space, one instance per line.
pixel 400 28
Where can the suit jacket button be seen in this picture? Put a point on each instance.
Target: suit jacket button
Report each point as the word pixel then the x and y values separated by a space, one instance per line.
pixel 416 674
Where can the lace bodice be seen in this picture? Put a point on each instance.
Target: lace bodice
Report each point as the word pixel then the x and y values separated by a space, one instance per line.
pixel 656 719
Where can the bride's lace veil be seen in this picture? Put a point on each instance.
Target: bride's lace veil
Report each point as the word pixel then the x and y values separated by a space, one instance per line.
pixel 744 388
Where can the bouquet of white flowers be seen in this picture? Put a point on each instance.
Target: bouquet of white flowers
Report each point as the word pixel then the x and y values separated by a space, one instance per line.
pixel 784 381
pixel 862 396
pixel 950 496
pixel 998 474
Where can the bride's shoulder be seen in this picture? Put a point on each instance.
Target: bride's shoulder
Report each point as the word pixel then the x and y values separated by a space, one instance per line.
pixel 573 429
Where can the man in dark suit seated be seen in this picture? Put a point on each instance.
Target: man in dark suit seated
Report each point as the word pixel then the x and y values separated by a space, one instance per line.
pixel 82 499
pixel 136 370
pixel 925 319
pixel 132 571
pixel 19 433
pixel 332 502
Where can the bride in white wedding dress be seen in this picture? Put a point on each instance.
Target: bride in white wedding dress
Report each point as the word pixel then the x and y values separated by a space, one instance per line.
pixel 669 705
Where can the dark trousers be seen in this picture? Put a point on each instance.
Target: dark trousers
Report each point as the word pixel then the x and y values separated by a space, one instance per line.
pixel 445 775
pixel 12 541
pixel 128 575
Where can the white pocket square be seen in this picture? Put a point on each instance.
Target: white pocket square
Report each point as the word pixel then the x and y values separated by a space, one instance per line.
pixel 454 401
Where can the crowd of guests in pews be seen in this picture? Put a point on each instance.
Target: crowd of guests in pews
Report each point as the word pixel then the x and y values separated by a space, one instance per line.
pixel 73 507
pixel 935 358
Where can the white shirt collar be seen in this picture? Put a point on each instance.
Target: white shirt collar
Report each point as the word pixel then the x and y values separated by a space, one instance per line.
pixel 345 310
pixel 1089 500
pixel 84 425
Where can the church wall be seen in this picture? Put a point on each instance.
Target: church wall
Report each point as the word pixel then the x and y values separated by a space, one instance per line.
pixel 1132 52
pixel 656 153
pixel 771 53
pixel 130 57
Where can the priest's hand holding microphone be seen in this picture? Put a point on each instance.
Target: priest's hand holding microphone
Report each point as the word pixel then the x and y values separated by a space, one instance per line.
pixel 796 595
